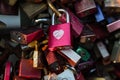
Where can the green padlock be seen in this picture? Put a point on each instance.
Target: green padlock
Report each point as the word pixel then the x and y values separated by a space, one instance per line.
pixel 85 55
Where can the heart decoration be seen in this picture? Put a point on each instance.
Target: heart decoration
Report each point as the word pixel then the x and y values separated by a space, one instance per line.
pixel 58 34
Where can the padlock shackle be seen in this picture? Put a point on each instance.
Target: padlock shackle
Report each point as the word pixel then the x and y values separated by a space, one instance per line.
pixel 53 8
pixel 61 10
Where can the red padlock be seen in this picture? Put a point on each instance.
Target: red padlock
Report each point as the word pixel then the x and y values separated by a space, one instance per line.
pixel 84 8
pixel 8 70
pixel 59 34
pixel 26 70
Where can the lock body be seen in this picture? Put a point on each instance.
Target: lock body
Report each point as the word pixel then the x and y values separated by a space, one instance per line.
pixel 59 34
pixel 77 26
pixel 26 70
pixel 65 75
pixel 112 6
pixel 32 9
pixel 84 8
pixel 53 62
pixel 26 36
pixel 68 55
pixel 113 26
pixel 115 57
pixel 85 55
pixel 8 70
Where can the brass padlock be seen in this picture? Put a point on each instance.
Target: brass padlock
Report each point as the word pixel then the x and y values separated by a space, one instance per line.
pixel 37 57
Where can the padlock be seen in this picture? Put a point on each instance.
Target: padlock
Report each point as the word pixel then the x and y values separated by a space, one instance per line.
pixel 76 24
pixel 104 53
pixel 99 15
pixel 65 75
pixel 25 36
pixel 26 69
pixel 103 50
pixel 59 34
pixel 114 26
pixel 52 61
pixel 37 58
pixel 115 52
pixel 84 8
pixel 85 55
pixel 99 31
pixel 8 71
pixel 112 6
pixel 71 56
pixel 85 65
pixel 32 9
pixel 87 35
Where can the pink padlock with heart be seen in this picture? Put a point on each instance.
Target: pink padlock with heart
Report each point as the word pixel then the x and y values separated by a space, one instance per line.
pixel 59 34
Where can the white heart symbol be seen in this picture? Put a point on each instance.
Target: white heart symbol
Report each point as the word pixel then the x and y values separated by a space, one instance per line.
pixel 58 34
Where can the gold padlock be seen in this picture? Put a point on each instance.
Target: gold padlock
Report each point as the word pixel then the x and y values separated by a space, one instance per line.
pixel 37 57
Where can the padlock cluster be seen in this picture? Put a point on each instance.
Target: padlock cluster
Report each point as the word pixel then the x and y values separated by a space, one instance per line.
pixel 59 39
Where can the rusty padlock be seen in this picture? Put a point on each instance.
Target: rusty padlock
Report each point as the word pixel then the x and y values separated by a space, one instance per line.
pixel 59 34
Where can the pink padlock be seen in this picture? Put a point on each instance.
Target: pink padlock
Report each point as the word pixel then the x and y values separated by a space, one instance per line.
pixel 59 34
